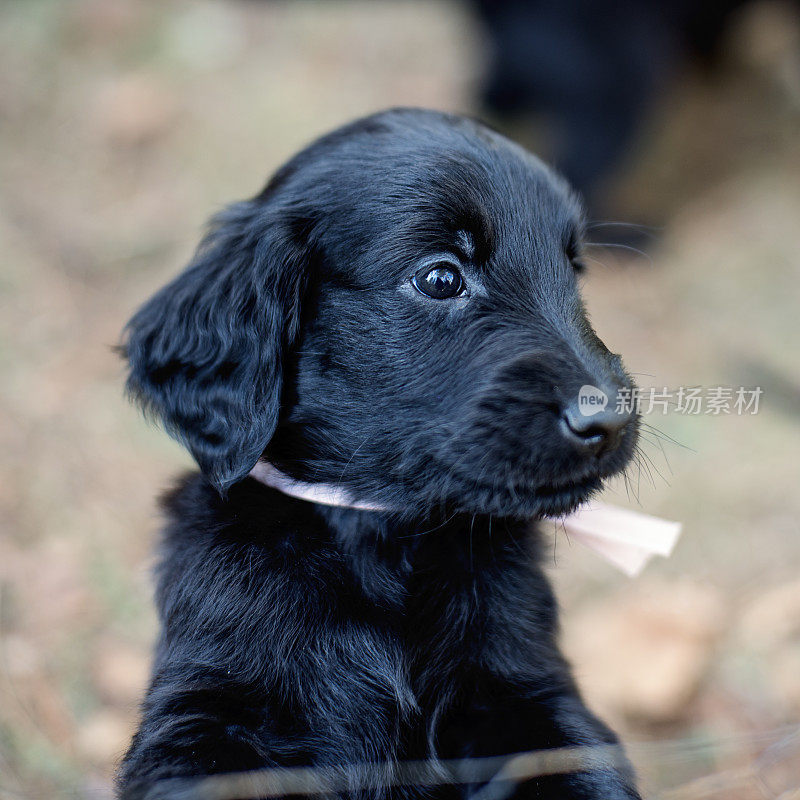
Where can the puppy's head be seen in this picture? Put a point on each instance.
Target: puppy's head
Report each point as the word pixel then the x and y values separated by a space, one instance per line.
pixel 397 312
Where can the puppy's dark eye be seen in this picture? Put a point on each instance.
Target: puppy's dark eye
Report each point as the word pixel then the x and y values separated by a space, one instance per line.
pixel 575 255
pixel 440 281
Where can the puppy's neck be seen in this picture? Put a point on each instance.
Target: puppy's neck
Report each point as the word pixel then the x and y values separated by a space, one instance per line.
pixel 625 538
pixel 325 494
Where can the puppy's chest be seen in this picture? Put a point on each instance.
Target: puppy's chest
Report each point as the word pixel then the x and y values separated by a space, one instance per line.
pixel 467 630
pixel 470 614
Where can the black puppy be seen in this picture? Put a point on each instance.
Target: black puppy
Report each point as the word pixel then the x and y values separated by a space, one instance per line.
pixel 396 313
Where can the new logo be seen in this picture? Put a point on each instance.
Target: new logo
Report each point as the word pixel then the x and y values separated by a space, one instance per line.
pixel 591 400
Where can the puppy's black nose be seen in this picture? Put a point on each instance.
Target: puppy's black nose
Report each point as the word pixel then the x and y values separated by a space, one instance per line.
pixel 597 432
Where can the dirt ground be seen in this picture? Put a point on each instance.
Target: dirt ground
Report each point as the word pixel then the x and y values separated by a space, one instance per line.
pixel 125 123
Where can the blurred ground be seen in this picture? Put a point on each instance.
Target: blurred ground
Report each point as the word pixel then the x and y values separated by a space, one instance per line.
pixel 124 123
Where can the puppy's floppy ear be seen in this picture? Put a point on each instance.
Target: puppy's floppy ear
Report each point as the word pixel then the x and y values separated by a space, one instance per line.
pixel 205 352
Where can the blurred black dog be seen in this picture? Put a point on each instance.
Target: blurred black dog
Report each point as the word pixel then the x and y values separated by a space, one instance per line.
pixel 593 67
pixel 396 313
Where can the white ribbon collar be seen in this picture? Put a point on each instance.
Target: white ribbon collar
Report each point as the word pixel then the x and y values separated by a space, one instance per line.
pixel 627 539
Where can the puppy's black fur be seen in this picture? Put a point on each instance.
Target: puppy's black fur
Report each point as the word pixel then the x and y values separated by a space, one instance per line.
pixel 298 634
